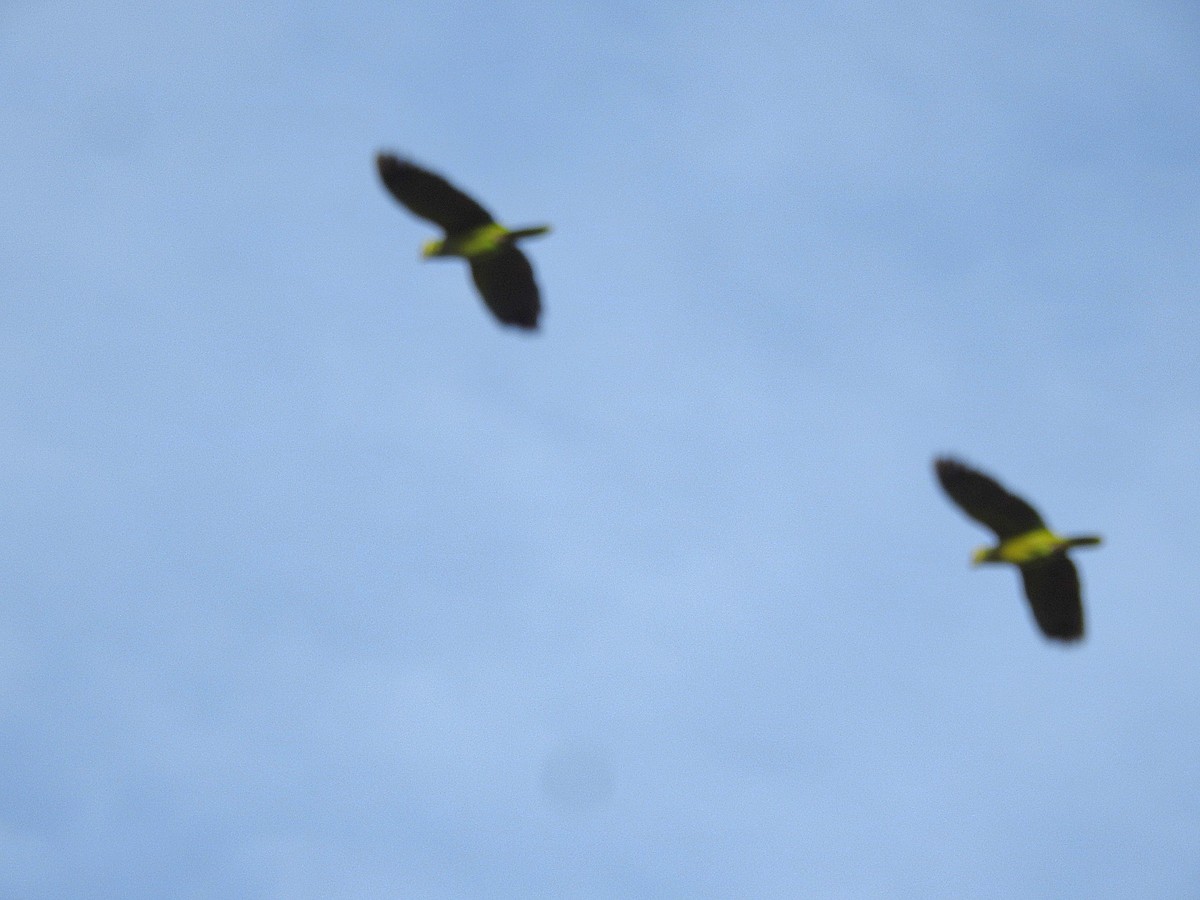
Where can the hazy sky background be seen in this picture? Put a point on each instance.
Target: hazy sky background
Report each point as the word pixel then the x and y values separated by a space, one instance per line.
pixel 317 583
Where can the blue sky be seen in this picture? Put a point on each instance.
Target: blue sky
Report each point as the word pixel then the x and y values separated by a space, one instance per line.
pixel 319 584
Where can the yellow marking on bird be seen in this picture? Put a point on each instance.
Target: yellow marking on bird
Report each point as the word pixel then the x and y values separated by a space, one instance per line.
pixel 1030 546
pixel 483 240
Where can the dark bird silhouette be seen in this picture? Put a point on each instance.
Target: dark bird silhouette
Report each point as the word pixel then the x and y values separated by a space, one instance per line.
pixel 499 269
pixel 1050 580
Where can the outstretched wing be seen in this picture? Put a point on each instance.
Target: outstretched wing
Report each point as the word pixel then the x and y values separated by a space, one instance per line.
pixel 430 196
pixel 505 279
pixel 1052 586
pixel 985 501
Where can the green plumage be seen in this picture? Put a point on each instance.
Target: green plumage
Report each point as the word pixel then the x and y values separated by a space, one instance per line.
pixel 500 271
pixel 1049 577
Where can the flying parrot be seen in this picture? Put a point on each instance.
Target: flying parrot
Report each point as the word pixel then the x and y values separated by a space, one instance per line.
pixel 1050 580
pixel 500 271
